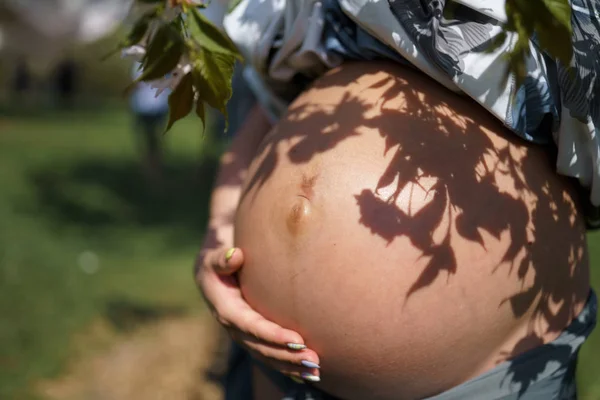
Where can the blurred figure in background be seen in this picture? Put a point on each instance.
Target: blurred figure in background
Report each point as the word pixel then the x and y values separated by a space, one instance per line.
pixel 21 81
pixel 65 79
pixel 150 113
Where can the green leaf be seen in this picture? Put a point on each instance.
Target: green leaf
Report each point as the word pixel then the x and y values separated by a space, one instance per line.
pixel 554 29
pixel 137 33
pixel 186 7
pixel 200 112
pixel 516 64
pixel 556 43
pixel 549 20
pixel 212 78
pixel 209 37
pixel 496 42
pixel 165 64
pixel 560 10
pixel 140 28
pixel 162 56
pixel 161 40
pixel 181 100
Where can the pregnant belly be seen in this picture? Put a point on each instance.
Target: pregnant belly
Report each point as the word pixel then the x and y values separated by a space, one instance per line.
pixel 409 239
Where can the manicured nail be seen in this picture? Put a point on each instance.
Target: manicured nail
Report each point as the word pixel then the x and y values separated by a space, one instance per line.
pixel 309 364
pixel 310 377
pixel 229 254
pixel 295 346
pixel 297 380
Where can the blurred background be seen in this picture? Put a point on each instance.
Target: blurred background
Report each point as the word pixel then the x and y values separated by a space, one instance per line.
pixel 101 217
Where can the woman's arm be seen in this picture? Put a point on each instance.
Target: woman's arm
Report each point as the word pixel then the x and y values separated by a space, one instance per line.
pixel 232 170
pixel 217 263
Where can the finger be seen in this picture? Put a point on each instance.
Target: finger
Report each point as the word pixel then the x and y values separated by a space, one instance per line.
pixel 231 310
pixel 226 261
pixel 224 297
pixel 305 358
pixel 245 319
pixel 291 370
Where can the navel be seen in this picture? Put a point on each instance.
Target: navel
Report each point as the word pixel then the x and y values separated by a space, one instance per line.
pixel 298 215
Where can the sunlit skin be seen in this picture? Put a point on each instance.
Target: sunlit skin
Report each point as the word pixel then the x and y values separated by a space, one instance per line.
pixel 409 238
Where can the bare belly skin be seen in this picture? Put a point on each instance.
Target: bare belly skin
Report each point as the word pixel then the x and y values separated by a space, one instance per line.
pixel 410 239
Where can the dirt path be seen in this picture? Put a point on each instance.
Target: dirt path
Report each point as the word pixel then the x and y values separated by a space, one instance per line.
pixel 166 360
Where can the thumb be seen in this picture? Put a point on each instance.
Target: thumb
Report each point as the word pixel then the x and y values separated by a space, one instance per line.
pixel 229 261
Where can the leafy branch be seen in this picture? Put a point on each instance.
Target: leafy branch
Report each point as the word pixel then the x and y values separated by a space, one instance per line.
pixel 549 21
pixel 181 49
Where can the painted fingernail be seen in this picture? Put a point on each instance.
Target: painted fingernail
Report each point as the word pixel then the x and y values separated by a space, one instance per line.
pixel 229 254
pixel 297 380
pixel 310 377
pixel 295 346
pixel 309 364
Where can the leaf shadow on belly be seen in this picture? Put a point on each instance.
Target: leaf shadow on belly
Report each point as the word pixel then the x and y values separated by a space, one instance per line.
pixel 488 184
pixel 298 125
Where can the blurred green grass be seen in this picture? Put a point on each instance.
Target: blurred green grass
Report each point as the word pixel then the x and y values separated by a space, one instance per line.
pixel 83 237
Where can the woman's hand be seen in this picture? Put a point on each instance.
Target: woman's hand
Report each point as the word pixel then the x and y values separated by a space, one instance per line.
pixel 279 348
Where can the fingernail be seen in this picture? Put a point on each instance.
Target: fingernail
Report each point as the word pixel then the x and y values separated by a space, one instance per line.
pixel 309 364
pixel 229 254
pixel 297 380
pixel 310 377
pixel 295 346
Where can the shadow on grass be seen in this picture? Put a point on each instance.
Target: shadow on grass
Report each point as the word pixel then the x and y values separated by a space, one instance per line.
pixel 101 194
